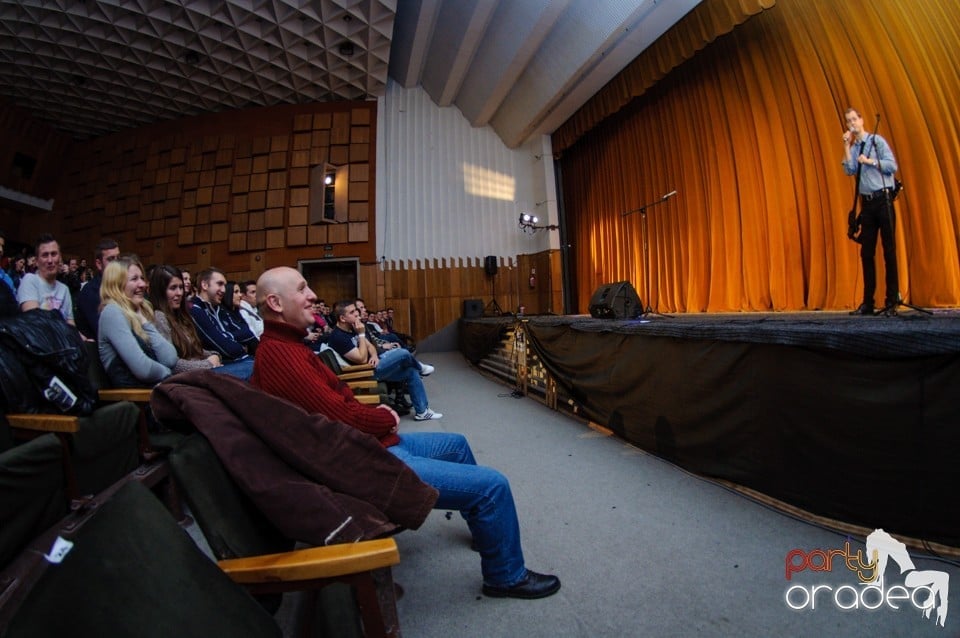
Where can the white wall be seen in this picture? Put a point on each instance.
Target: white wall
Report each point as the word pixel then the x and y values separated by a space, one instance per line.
pixel 446 190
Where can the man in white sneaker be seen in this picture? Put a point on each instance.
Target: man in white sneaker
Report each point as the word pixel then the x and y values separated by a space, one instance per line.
pixel 349 340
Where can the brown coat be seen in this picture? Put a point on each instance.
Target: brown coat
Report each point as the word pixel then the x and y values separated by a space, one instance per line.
pixel 319 481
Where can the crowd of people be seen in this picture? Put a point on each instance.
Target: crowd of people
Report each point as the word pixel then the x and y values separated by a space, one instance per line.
pixel 153 322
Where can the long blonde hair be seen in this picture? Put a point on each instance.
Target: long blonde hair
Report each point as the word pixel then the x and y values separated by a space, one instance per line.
pixel 112 290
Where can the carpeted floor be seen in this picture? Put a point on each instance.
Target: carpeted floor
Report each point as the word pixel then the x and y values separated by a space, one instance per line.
pixel 642 547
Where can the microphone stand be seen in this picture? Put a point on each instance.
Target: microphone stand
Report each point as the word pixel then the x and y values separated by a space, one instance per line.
pixel 646 253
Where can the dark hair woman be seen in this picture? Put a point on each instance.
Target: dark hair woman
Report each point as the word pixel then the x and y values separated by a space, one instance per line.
pixel 174 322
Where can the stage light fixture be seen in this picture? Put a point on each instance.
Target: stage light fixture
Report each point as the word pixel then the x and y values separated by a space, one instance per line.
pixel 528 223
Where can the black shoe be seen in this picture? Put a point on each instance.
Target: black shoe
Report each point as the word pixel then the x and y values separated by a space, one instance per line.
pixel 532 586
pixel 864 309
pixel 889 310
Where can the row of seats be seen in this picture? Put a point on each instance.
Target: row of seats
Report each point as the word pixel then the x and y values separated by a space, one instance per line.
pixel 92 481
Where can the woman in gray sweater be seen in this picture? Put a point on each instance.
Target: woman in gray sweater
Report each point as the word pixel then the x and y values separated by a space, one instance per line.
pixel 133 353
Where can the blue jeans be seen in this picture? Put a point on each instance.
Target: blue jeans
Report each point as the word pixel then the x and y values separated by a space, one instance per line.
pixel 481 494
pixel 241 368
pixel 400 366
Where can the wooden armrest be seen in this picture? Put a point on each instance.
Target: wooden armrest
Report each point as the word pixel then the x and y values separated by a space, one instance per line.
pixel 134 395
pixel 314 562
pixel 367 399
pixel 357 368
pixel 366 384
pixel 45 422
pixel 355 376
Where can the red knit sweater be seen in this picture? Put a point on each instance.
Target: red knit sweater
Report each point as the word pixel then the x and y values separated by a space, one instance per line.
pixel 287 368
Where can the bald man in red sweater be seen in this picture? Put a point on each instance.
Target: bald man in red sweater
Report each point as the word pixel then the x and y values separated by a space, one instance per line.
pixel 287 368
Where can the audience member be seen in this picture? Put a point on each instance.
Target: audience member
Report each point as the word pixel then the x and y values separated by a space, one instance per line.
pixel 8 289
pixel 132 351
pixel 4 277
pixel 88 301
pixel 31 263
pixel 42 289
pixel 248 307
pixel 188 291
pixel 70 275
pixel 175 324
pixel 349 340
pixel 232 298
pixel 288 369
pixel 327 313
pixel 18 268
pixel 218 332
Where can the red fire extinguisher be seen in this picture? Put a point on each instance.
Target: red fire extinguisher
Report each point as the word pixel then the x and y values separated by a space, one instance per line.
pixel 533 277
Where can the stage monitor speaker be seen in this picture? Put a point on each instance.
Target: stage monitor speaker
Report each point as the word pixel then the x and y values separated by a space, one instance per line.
pixel 472 308
pixel 490 265
pixel 617 300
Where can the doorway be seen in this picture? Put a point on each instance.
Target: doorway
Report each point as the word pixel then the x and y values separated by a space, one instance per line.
pixel 332 279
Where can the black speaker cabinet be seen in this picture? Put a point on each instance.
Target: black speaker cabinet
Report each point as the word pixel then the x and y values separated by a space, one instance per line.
pixel 472 308
pixel 618 300
pixel 490 265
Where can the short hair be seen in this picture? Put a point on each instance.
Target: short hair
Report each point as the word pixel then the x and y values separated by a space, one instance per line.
pixel 207 274
pixel 45 238
pixel 102 247
pixel 246 284
pixel 853 110
pixel 340 307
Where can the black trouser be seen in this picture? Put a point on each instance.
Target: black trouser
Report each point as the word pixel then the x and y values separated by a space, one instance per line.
pixel 878 216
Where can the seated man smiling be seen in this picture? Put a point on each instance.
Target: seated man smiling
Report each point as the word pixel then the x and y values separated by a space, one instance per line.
pixel 287 368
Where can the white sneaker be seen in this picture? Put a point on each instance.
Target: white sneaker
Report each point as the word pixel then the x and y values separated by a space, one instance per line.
pixel 427 415
pixel 425 370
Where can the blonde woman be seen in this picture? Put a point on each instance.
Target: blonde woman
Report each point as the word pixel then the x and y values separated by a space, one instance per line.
pixel 132 351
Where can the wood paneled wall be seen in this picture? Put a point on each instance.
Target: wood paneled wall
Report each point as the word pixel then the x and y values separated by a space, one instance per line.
pixel 229 190
pixel 429 295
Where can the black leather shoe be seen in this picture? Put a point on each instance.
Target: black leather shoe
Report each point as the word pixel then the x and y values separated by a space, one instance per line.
pixel 864 309
pixel 889 310
pixel 532 586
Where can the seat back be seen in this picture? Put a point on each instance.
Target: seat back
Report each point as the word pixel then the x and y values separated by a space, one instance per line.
pixel 32 492
pixel 96 372
pixel 332 360
pixel 132 572
pixel 106 447
pixel 232 525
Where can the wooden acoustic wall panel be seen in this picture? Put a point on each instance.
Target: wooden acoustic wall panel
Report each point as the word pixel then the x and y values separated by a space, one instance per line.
pixel 436 289
pixel 230 189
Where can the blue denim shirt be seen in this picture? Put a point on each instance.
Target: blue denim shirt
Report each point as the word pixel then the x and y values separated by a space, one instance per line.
pixel 872 178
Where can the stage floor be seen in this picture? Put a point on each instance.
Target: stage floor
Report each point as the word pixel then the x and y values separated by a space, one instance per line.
pixel 908 334
pixel 852 418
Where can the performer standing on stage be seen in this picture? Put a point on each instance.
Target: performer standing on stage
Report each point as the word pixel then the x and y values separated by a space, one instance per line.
pixel 871 155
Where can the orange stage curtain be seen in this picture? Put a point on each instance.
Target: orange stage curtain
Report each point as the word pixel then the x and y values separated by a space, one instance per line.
pixel 748 132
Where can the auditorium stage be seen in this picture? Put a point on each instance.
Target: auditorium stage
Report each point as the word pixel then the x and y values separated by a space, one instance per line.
pixel 851 418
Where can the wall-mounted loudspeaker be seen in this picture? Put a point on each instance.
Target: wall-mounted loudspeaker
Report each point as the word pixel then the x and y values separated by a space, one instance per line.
pixel 472 308
pixel 618 300
pixel 490 265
